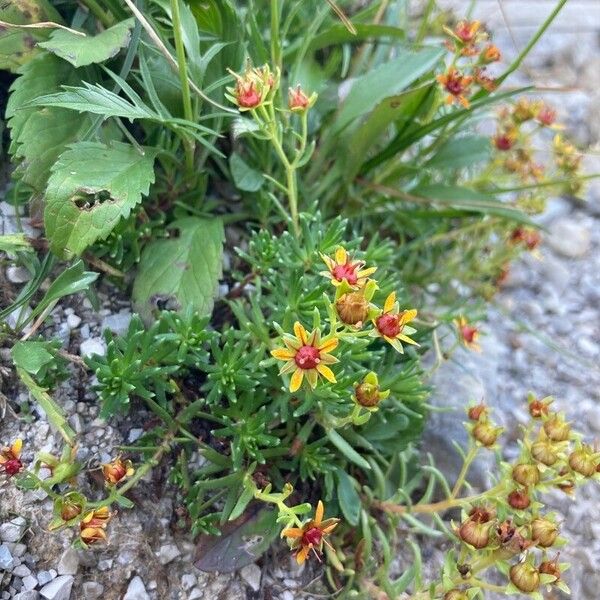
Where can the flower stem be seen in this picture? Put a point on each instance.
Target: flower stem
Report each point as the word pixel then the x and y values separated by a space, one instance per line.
pixel 189 144
pixel 471 454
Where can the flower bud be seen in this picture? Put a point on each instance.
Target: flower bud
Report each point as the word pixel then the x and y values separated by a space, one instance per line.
pixel 486 433
pixel 525 474
pixel 475 533
pixel 519 499
pixel 544 532
pixel 525 577
pixel 455 595
pixel 557 429
pixel 298 101
pixel 69 510
pixel 567 486
pixel 476 412
pixel 583 461
pixel 538 408
pixel 544 451
pixel 353 308
pixel 368 393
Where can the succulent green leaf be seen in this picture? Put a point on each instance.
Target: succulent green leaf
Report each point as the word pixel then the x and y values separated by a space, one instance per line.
pixel 92 187
pixel 348 498
pixel 460 152
pixel 81 50
pixel 245 177
pixel 182 272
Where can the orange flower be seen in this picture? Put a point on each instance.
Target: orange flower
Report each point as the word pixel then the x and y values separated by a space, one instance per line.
pixel 482 79
pixel 457 85
pixel 298 101
pixel 92 527
pixel 546 116
pixel 468 334
pixel 505 140
pixel 253 87
pixel 306 354
pixel 311 536
pixel 10 459
pixel 341 268
pixel 490 54
pixel 392 326
pixel 117 470
pixel 527 236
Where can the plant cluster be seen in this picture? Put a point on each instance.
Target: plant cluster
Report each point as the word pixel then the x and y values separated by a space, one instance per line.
pixel 329 174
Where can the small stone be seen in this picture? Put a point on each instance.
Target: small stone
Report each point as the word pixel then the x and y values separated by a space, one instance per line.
pixel 18 274
pixel 251 574
pixel 84 332
pixel 136 590
pixel 18 550
pixel 168 553
pixel 92 346
pixel 7 561
pixel 135 434
pixel 21 571
pixel 73 321
pixel 27 595
pixel 92 590
pixel 188 581
pixel 44 577
pixel 13 530
pixel 30 582
pixel 196 594
pixel 105 564
pixel 570 238
pixel 76 422
pixel 59 588
pixel 118 323
pixel 68 563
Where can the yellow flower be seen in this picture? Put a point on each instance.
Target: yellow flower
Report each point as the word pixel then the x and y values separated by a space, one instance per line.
pixel 10 458
pixel 311 536
pixel 92 527
pixel 392 326
pixel 468 334
pixel 457 85
pixel 306 354
pixel 341 268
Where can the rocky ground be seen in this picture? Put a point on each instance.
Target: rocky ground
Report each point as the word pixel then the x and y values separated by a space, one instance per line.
pixel 542 334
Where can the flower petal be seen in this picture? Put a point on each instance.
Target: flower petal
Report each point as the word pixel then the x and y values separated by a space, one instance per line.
pixel 288 367
pixel 327 359
pixel 395 344
pixel 406 339
pixel 389 302
pixel 291 342
pixel 366 272
pixel 329 345
pixel 319 512
pixel 408 315
pixel 300 332
pixel 341 256
pixel 296 380
pixel 302 554
pixel 283 354
pixel 312 376
pixel 16 447
pixel 326 372
pixel 293 532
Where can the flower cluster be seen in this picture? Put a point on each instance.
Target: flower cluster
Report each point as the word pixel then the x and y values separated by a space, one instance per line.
pixel 10 458
pixel 568 162
pixel 469 43
pixel 507 522
pixel 308 355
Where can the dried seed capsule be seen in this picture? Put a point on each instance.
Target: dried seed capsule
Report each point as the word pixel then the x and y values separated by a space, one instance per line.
pixel 544 452
pixel 486 433
pixel 455 595
pixel 550 567
pixel 525 577
pixel 544 532
pixel 583 461
pixel 557 429
pixel 353 308
pixel 519 499
pixel 525 474
pixel 474 533
pixel 476 412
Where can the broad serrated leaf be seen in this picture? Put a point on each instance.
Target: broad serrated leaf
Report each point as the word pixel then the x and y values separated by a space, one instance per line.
pixel 182 272
pixel 39 136
pixel 388 79
pixel 17 47
pixel 92 187
pixel 81 50
pixel 244 176
pixel 94 99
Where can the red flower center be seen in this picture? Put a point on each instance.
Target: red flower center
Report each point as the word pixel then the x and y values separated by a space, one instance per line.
pixel 389 325
pixel 13 466
pixel 503 142
pixel 313 536
pixel 247 96
pixel 465 32
pixel 454 86
pixel 346 271
pixel 469 333
pixel 307 357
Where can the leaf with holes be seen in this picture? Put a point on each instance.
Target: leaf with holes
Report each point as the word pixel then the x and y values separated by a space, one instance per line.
pixel 81 50
pixel 91 188
pixel 182 272
pixel 39 136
